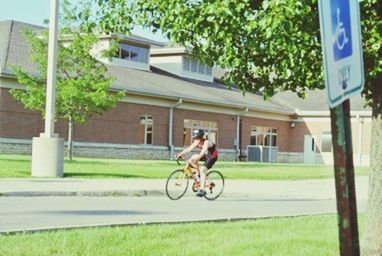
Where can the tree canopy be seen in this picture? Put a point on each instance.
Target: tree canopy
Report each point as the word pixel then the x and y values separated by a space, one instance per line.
pixel 82 87
pixel 266 46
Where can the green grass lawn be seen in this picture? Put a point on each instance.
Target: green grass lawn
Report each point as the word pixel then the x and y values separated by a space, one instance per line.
pixel 305 236
pixel 20 166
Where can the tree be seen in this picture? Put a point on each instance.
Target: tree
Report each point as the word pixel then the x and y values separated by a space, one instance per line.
pixel 82 87
pixel 269 46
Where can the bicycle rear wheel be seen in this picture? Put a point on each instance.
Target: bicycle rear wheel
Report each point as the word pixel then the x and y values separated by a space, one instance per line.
pixel 176 185
pixel 214 185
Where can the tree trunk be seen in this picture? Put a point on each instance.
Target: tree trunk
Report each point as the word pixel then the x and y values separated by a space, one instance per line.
pixel 70 139
pixel 372 241
pixel 373 236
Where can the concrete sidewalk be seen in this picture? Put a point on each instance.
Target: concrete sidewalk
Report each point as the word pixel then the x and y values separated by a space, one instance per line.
pixel 302 189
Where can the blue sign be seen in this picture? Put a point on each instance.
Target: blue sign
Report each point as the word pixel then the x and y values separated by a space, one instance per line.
pixel 341 48
pixel 341 28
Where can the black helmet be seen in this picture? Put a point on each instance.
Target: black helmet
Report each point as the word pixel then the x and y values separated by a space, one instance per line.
pixel 198 134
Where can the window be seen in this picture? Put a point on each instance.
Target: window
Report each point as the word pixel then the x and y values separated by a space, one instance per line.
pixel 147 129
pixel 133 53
pixel 211 129
pixel 264 136
pixel 326 141
pixel 195 66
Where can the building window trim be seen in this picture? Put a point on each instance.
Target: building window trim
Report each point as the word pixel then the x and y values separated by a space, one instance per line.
pixel 134 53
pixel 264 136
pixel 148 122
pixel 210 127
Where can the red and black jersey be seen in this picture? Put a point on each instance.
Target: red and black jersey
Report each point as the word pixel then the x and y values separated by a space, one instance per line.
pixel 212 151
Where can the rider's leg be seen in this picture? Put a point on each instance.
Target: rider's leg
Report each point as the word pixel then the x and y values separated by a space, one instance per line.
pixel 203 173
pixel 210 161
pixel 195 167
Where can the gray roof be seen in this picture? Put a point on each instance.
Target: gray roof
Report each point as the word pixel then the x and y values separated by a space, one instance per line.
pixel 157 83
pixel 153 43
pixel 315 100
pixel 5 28
pixel 14 49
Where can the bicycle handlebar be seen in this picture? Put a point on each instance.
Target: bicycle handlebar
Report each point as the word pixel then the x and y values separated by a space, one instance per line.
pixel 189 163
pixel 179 158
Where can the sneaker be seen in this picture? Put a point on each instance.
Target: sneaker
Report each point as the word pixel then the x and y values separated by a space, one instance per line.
pixel 201 193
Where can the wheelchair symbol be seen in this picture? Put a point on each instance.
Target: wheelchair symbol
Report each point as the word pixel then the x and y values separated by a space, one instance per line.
pixel 340 33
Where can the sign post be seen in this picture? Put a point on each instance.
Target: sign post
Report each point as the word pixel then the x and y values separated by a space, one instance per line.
pixel 344 77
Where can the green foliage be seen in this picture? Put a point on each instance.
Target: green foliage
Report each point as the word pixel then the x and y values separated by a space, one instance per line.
pixel 266 46
pixel 371 13
pixel 98 16
pixel 266 49
pixel 82 85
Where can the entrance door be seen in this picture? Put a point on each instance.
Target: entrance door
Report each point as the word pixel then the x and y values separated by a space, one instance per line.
pixel 309 149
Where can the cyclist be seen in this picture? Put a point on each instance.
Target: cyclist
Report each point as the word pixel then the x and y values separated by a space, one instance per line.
pixel 208 153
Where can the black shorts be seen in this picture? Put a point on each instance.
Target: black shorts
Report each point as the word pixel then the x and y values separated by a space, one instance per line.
pixel 209 161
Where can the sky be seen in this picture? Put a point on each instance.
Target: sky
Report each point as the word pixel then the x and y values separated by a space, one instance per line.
pixel 36 11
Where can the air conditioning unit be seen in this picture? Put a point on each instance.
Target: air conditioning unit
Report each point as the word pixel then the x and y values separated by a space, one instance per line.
pixel 262 153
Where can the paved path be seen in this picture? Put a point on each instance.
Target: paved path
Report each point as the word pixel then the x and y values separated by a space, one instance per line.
pixel 315 189
pixel 42 213
pixel 37 204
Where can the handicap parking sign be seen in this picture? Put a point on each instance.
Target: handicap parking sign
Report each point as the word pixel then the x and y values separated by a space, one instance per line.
pixel 342 49
pixel 341 29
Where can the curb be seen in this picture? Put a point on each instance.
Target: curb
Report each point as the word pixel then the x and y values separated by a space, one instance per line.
pixel 154 223
pixel 137 193
pixel 140 193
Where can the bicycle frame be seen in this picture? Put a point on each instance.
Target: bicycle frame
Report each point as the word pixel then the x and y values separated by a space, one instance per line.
pixel 178 182
pixel 188 171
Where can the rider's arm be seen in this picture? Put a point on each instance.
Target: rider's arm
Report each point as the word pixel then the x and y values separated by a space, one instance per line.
pixel 203 151
pixel 188 149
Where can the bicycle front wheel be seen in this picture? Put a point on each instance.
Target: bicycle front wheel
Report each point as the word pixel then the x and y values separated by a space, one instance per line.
pixel 176 185
pixel 214 185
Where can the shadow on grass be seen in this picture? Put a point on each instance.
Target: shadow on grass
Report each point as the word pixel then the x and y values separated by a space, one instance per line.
pixel 16 160
pixel 101 174
pixel 85 162
pixel 127 162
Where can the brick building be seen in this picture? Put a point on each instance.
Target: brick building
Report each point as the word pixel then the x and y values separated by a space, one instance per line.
pixel 167 95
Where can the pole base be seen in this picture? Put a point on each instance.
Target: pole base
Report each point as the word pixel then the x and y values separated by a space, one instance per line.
pixel 47 157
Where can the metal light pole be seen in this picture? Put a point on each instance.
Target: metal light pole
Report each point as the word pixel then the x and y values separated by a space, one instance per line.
pixel 51 75
pixel 48 149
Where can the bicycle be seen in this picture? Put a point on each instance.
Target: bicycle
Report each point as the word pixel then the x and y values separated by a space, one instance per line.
pixel 178 181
